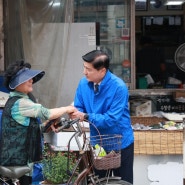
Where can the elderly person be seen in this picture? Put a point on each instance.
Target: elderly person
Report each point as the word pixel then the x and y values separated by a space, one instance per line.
pixel 21 134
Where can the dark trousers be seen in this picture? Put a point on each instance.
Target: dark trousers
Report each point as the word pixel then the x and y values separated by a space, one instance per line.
pixel 125 171
pixel 25 180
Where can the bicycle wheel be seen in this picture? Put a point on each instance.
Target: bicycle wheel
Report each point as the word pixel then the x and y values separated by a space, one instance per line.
pixel 112 181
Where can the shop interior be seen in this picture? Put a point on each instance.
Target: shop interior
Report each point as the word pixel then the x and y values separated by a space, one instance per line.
pixel 161 25
pixel 160 43
pixel 160 30
pixel 160 37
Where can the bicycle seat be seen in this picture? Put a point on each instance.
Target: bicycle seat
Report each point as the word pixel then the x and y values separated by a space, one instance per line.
pixel 14 172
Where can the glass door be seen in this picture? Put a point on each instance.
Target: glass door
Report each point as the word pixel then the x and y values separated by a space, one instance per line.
pixel 115 33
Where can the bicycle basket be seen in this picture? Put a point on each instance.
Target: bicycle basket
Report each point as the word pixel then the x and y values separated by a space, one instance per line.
pixel 108 154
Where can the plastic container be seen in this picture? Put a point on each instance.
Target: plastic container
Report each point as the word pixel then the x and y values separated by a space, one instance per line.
pixel 142 83
pixel 2 87
pixel 126 71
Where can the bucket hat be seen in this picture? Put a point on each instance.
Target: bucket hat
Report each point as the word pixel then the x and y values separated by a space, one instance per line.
pixel 24 75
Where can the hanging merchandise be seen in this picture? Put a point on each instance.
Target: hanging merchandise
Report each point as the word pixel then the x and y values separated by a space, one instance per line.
pixel 126 71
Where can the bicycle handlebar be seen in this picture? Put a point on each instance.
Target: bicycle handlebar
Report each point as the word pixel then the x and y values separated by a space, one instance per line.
pixel 62 124
pixel 67 124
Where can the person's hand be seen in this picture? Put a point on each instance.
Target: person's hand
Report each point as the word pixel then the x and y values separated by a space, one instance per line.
pixel 54 129
pixel 51 125
pixel 77 114
pixel 70 109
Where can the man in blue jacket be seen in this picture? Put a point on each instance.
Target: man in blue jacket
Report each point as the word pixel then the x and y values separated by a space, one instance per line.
pixel 106 107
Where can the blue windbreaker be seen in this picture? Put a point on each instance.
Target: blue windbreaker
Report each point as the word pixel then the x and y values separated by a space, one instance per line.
pixel 108 109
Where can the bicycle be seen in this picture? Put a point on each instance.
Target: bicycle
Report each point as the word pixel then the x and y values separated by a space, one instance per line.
pixel 11 174
pixel 87 156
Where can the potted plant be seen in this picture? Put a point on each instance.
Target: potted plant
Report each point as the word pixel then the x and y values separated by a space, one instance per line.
pixel 55 166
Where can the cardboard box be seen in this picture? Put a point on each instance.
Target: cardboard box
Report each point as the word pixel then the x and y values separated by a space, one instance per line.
pixel 179 94
pixel 140 107
pixel 145 109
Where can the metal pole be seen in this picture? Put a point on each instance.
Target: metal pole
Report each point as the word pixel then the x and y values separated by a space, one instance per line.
pixel 183 151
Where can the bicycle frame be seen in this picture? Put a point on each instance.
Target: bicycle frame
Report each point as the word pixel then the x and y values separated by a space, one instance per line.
pixel 87 175
pixel 84 157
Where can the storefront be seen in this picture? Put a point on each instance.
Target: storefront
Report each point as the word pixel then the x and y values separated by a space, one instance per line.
pixel 42 35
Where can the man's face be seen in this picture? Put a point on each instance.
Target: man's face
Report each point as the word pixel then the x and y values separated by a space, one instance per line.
pixel 92 74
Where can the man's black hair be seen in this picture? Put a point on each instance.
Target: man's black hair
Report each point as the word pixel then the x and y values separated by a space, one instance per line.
pixel 98 58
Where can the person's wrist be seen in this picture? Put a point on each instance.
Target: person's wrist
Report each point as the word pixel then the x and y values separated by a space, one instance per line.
pixel 86 116
pixel 66 110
